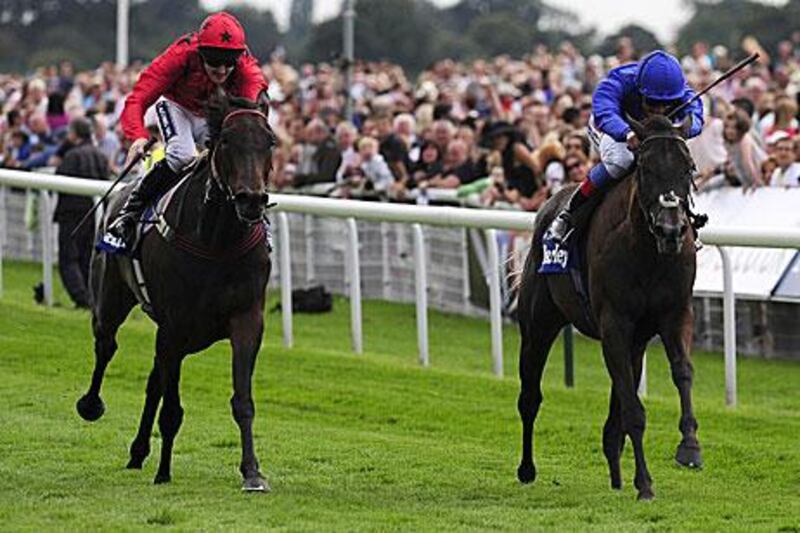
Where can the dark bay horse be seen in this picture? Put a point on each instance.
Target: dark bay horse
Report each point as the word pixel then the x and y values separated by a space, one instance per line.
pixel 205 283
pixel 640 262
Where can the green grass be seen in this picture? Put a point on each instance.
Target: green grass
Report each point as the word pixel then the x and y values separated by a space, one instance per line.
pixel 374 442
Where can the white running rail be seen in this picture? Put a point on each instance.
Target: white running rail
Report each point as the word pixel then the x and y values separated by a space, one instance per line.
pixel 353 210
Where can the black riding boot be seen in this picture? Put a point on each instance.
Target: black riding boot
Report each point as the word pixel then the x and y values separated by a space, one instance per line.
pixel 121 234
pixel 561 226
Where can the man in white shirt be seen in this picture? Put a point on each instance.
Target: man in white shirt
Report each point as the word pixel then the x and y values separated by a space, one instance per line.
pixel 788 172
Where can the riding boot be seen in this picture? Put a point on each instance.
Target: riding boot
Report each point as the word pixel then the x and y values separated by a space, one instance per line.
pixel 121 234
pixel 561 226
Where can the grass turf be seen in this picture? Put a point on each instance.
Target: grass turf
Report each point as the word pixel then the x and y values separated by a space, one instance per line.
pixel 375 442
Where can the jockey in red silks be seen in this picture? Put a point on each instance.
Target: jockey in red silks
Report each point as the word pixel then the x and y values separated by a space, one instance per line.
pixel 654 85
pixel 179 82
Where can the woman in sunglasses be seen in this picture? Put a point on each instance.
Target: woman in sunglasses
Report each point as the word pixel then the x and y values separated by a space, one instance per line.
pixel 179 83
pixel 654 85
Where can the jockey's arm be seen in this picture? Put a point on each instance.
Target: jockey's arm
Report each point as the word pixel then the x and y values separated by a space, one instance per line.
pixel 607 107
pixel 253 81
pixel 154 81
pixel 695 110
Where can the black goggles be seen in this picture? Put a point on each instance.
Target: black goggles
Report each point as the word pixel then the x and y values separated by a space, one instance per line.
pixel 215 57
pixel 668 104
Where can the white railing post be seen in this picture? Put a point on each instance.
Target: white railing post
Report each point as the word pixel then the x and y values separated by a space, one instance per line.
pixel 355 285
pixel 3 232
pixel 308 229
pixel 495 316
pixel 46 223
pixel 643 379
pixel 385 269
pixel 421 279
pixel 285 258
pixel 729 321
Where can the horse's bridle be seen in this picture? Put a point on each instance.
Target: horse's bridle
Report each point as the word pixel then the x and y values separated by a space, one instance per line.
pixel 224 187
pixel 669 200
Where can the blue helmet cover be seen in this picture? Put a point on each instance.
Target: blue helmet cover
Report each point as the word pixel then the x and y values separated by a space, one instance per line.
pixel 660 77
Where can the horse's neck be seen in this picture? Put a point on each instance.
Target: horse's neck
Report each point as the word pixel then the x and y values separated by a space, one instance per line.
pixel 212 222
pixel 623 208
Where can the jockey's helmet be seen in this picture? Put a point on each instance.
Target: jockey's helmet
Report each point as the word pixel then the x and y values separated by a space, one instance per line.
pixel 660 77
pixel 221 30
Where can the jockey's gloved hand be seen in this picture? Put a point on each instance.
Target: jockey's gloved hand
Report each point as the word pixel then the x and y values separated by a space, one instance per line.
pixel 137 149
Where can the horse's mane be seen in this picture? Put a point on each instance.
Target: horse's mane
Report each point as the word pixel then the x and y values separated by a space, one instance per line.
pixel 219 107
pixel 658 124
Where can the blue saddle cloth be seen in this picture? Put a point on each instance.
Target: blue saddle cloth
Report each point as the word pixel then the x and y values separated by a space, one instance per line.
pixel 567 258
pixel 558 258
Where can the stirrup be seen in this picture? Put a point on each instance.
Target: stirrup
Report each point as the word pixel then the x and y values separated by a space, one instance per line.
pixel 561 220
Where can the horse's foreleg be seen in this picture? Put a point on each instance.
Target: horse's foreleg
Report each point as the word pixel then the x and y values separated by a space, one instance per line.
pixel 618 346
pixel 171 415
pixel 246 331
pixel 140 448
pixel 677 342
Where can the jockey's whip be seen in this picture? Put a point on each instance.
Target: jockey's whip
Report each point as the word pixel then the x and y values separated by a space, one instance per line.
pixel 146 148
pixel 730 72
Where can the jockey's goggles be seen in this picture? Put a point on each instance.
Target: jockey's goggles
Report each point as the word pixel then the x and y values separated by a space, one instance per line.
pixel 668 104
pixel 219 57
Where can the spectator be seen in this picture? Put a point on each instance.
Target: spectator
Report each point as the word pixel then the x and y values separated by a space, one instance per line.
pixel 519 165
pixel 743 167
pixel 443 132
pixel 393 148
pixel 346 135
pixel 376 172
pixel 576 165
pixel 107 142
pixel 457 168
pixel 319 157
pixel 787 173
pixel 81 159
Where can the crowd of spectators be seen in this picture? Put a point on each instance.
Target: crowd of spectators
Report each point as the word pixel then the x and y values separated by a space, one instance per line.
pixel 497 132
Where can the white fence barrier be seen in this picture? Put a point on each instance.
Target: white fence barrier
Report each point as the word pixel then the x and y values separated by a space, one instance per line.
pixel 351 210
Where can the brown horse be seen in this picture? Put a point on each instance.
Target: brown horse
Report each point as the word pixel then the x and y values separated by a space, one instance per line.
pixel 640 269
pixel 206 281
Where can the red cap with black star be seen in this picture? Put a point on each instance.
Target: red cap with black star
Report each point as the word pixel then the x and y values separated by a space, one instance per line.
pixel 222 30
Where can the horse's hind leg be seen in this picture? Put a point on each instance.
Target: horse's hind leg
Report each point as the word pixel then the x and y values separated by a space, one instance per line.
pixel 677 339
pixel 112 301
pixel 540 322
pixel 613 440
pixel 246 331
pixel 140 448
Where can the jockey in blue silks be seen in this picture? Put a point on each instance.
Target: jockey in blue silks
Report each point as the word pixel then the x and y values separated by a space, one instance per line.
pixel 654 85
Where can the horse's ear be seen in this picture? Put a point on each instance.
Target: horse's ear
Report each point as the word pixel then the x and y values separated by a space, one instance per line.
pixel 636 126
pixel 685 127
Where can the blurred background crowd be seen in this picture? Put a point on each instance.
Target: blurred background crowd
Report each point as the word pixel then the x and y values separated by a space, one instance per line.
pixel 503 130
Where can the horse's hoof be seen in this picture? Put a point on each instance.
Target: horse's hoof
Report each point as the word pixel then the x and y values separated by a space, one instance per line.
pixel 689 456
pixel 135 463
pixel 90 407
pixel 616 484
pixel 645 495
pixel 255 484
pixel 526 473
pixel 162 478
